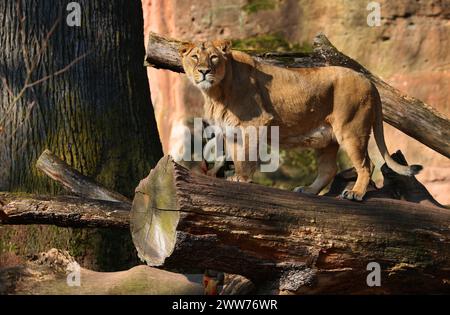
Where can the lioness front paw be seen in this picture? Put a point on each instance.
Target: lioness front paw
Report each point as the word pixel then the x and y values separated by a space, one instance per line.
pixel 352 195
pixel 237 178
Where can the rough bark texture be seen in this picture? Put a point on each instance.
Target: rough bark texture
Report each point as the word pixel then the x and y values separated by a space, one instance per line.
pixel 96 115
pixel 407 114
pixel 65 211
pixel 310 244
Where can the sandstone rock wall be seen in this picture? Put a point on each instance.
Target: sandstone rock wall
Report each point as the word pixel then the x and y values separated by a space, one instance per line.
pixel 410 50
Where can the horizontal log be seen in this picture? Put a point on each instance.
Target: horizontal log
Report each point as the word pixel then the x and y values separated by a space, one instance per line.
pixel 47 275
pixel 187 220
pixel 408 114
pixel 20 208
pixel 69 211
pixel 65 211
pixel 293 242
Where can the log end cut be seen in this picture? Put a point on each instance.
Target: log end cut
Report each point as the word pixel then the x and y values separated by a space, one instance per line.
pixel 154 215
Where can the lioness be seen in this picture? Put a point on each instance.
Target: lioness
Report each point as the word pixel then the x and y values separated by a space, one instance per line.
pixel 322 108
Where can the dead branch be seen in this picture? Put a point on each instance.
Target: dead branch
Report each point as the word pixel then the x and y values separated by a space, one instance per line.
pixel 73 180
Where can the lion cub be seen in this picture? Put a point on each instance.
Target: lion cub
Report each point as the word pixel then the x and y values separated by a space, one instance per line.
pixel 323 108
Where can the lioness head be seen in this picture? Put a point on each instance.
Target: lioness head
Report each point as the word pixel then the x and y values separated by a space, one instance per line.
pixel 205 63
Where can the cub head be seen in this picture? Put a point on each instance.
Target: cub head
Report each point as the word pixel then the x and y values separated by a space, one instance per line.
pixel 205 63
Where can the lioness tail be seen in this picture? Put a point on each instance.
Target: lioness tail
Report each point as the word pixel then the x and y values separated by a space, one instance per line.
pixel 379 139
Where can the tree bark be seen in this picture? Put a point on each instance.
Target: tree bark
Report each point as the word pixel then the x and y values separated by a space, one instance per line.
pixel 64 211
pixel 93 110
pixel 410 115
pixel 97 115
pixel 309 244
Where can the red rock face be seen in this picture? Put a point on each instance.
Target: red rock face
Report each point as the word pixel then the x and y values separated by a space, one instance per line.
pixel 159 17
pixel 432 88
pixel 409 50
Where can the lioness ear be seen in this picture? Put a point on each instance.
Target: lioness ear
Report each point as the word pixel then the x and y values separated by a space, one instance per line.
pixel 223 45
pixel 185 48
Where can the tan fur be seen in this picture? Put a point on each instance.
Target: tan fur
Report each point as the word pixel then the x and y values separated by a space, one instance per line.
pixel 323 108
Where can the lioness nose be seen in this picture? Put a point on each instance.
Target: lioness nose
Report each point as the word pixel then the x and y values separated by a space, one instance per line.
pixel 204 71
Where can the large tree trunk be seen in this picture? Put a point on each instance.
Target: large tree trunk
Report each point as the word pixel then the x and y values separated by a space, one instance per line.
pixel 407 114
pixel 95 114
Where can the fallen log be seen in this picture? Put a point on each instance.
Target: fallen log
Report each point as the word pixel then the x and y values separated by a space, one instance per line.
pixel 64 211
pixel 48 274
pixel 279 239
pixel 410 115
pixel 108 210
pixel 96 205
pixel 302 243
pixel 73 211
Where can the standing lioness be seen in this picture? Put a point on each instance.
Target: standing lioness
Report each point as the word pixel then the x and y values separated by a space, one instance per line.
pixel 322 108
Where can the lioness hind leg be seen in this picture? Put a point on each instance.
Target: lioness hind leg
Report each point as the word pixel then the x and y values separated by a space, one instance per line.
pixel 356 148
pixel 327 168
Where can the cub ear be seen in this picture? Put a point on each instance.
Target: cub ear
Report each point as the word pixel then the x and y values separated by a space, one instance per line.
pixel 223 45
pixel 185 48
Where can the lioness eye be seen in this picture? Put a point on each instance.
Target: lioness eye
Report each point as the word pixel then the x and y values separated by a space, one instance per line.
pixel 214 58
pixel 195 57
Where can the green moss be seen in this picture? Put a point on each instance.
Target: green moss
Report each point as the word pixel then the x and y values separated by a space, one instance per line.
pixel 269 42
pixel 254 6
